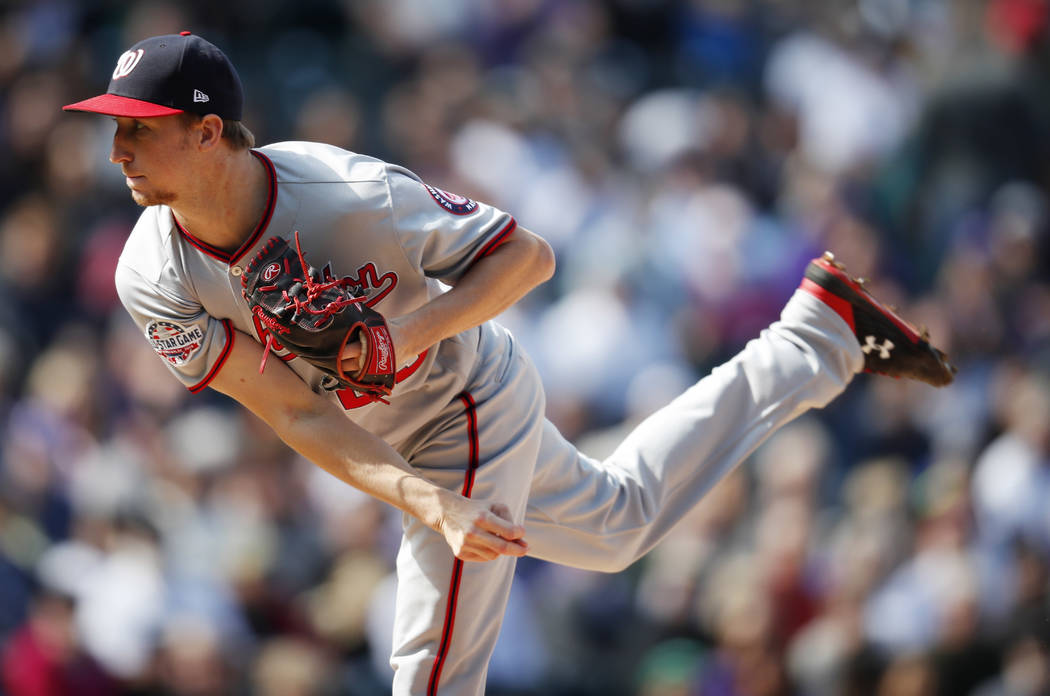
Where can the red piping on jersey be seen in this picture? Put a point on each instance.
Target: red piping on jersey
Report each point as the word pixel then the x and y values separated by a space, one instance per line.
pixel 472 437
pixel 228 326
pixel 457 566
pixel 349 399
pixel 271 200
pixel 502 236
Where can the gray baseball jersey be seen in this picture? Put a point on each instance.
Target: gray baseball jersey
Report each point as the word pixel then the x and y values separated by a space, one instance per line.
pixel 469 413
pixel 378 223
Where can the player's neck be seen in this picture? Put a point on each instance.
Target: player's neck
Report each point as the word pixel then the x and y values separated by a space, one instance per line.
pixel 226 206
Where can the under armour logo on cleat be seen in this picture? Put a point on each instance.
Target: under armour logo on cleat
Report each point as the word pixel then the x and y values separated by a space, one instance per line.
pixel 884 349
pixel 199 96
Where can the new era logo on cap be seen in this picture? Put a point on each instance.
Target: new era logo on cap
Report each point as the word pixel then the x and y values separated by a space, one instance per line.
pixel 170 74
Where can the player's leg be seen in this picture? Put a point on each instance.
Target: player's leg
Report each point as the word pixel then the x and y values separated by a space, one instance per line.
pixel 448 612
pixel 448 616
pixel 605 515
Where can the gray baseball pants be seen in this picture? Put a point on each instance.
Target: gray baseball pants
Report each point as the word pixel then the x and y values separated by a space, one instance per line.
pixel 493 443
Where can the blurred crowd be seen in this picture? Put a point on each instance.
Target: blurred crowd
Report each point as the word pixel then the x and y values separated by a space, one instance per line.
pixel 685 158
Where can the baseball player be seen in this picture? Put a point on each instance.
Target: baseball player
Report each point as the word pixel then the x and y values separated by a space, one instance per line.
pixel 424 402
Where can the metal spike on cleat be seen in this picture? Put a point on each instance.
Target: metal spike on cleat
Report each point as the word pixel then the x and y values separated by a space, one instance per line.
pixel 830 258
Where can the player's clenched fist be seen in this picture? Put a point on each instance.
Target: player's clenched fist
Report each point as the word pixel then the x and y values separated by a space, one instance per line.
pixel 478 531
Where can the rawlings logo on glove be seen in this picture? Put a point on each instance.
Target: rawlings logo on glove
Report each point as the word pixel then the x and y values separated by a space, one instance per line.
pixel 315 315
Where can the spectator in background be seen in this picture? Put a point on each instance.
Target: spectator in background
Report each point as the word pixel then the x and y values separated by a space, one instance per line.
pixel 44 657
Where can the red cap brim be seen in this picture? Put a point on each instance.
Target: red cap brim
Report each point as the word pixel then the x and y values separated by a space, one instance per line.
pixel 113 105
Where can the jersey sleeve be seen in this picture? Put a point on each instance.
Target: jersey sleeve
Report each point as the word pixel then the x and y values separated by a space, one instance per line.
pixel 193 344
pixel 443 233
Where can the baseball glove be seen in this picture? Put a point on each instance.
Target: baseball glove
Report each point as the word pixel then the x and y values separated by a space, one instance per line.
pixel 315 315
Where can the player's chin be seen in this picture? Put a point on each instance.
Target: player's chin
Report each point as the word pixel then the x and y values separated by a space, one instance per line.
pixel 146 199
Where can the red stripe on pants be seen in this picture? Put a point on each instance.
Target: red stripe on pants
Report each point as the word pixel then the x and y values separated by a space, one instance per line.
pixel 457 566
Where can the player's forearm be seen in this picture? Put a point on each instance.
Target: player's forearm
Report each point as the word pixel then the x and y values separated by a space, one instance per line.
pixel 324 436
pixel 317 429
pixel 474 530
pixel 489 287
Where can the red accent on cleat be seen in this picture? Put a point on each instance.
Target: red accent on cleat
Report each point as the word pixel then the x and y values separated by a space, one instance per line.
pixel 841 306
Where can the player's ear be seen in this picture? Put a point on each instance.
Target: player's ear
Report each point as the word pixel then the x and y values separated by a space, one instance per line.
pixel 210 133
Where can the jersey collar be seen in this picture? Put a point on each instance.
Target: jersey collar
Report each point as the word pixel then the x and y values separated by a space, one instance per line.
pixel 271 200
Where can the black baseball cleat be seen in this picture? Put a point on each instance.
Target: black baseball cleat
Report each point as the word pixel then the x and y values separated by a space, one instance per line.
pixel 891 346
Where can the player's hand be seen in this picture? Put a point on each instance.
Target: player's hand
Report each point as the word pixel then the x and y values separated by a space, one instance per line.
pixel 477 531
pixel 351 357
pixel 353 354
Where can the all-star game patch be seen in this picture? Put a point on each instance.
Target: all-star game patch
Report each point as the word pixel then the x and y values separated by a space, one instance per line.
pixel 175 343
pixel 453 203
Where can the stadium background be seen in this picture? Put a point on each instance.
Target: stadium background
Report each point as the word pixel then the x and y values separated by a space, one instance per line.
pixel 685 159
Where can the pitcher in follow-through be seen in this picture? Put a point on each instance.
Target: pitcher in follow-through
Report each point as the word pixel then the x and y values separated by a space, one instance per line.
pixel 393 377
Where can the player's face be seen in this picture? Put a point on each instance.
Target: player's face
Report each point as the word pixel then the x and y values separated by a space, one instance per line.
pixel 149 151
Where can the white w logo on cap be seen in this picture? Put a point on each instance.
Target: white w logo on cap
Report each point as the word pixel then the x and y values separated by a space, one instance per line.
pixel 126 63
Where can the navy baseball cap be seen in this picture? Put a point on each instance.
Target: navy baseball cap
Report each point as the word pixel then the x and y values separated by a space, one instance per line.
pixel 170 74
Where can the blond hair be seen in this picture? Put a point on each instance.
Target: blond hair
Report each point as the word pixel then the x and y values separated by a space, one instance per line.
pixel 233 132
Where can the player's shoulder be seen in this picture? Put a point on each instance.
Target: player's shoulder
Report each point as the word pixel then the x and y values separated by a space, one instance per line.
pixel 310 162
pixel 147 252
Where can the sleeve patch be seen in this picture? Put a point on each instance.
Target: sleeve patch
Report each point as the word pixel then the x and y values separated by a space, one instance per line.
pixel 174 342
pixel 452 202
